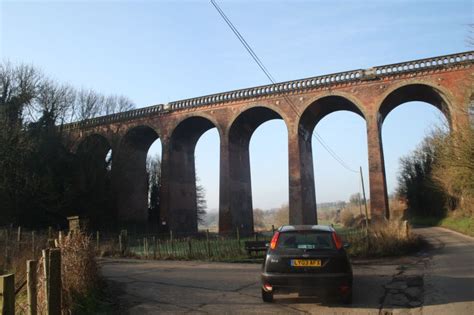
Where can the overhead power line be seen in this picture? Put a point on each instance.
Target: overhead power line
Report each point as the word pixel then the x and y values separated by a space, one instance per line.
pixel 272 80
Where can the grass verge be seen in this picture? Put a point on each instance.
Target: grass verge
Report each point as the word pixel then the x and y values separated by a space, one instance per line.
pixel 461 224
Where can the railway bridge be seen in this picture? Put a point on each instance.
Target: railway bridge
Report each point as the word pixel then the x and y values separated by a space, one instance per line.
pixel 444 82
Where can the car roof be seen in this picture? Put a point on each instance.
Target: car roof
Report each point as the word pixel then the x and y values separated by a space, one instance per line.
pixel 319 228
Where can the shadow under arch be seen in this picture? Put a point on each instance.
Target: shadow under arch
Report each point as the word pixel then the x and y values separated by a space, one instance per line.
pixel 414 92
pixel 303 206
pixel 129 175
pixel 235 206
pixel 179 196
pixel 94 180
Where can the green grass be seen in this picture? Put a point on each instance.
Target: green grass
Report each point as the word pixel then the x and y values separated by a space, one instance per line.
pixel 463 225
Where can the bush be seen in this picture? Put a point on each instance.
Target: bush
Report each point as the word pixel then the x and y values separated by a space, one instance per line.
pixel 79 273
pixel 347 218
pixel 392 238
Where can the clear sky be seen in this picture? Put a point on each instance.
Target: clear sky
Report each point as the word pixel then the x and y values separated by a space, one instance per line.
pixel 161 51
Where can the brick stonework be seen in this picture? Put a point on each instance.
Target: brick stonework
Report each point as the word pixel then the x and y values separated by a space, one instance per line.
pixel 445 82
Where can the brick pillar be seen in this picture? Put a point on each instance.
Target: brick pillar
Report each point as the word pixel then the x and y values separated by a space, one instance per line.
pixel 377 181
pixel 301 179
pixel 129 178
pixel 165 185
pixel 235 198
pixel 182 208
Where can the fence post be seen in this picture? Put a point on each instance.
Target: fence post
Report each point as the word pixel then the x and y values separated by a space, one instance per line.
pixel 97 241
pixel 7 247
pixel 154 247
pixel 190 252
pixel 54 282
pixel 273 229
pixel 208 245
pixel 18 238
pixel 7 294
pixel 256 236
pixel 31 267
pixel 171 241
pixel 145 247
pixel 50 232
pixel 33 244
pixel 120 244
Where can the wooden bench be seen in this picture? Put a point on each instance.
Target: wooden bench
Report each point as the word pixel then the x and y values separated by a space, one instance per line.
pixel 255 246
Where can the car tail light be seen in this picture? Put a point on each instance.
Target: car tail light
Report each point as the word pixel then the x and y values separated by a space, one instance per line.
pixel 267 287
pixel 344 288
pixel 337 240
pixel 273 243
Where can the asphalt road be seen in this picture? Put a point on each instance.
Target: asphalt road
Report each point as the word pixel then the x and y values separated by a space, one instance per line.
pixel 449 276
pixel 152 287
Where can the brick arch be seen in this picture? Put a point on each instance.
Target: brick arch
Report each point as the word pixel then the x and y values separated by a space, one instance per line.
pixel 191 128
pixel 76 143
pixel 93 142
pixel 139 137
pixel 323 106
pixel 196 116
pixel 415 91
pixel 249 119
pixel 129 175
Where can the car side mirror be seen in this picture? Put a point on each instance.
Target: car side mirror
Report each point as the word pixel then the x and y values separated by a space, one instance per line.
pixel 347 245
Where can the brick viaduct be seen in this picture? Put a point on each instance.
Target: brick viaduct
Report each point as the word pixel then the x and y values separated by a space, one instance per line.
pixel 444 82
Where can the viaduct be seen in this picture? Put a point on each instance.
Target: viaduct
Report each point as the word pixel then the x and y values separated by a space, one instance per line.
pixel 444 82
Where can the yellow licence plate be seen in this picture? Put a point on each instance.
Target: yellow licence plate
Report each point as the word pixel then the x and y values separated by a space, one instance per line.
pixel 306 262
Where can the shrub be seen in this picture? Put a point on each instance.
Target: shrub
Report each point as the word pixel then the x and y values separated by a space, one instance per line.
pixel 391 238
pixel 79 273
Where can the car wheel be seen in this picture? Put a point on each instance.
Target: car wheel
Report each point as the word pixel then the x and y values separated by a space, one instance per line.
pixel 267 296
pixel 347 298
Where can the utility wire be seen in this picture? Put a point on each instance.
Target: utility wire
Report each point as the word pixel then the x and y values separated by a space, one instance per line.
pixel 270 77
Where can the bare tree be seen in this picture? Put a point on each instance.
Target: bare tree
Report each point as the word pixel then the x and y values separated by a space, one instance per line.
pixel 18 88
pixel 116 104
pixel 55 100
pixel 89 104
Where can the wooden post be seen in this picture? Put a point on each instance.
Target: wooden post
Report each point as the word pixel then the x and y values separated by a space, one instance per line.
pixel 7 294
pixel 159 248
pixel 154 247
pixel 50 232
pixel 7 247
pixel 273 229
pixel 97 241
pixel 120 244
pixel 33 244
pixel 145 247
pixel 209 244
pixel 31 267
pixel 171 241
pixel 18 238
pixel 54 282
pixel 45 253
pixel 190 252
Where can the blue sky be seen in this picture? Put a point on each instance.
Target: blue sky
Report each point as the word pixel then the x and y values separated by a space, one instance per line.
pixel 161 51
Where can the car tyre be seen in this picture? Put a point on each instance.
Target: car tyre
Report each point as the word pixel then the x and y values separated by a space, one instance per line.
pixel 267 297
pixel 347 298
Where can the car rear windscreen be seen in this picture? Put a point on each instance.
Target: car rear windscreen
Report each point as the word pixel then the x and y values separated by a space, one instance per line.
pixel 305 240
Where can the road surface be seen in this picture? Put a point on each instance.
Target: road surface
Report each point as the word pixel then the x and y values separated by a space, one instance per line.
pixel 438 281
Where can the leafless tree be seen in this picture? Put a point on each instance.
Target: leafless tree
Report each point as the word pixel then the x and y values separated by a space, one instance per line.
pixel 55 100
pixel 88 104
pixel 18 88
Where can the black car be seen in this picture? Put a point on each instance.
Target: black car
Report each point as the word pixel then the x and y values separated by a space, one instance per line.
pixel 309 260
